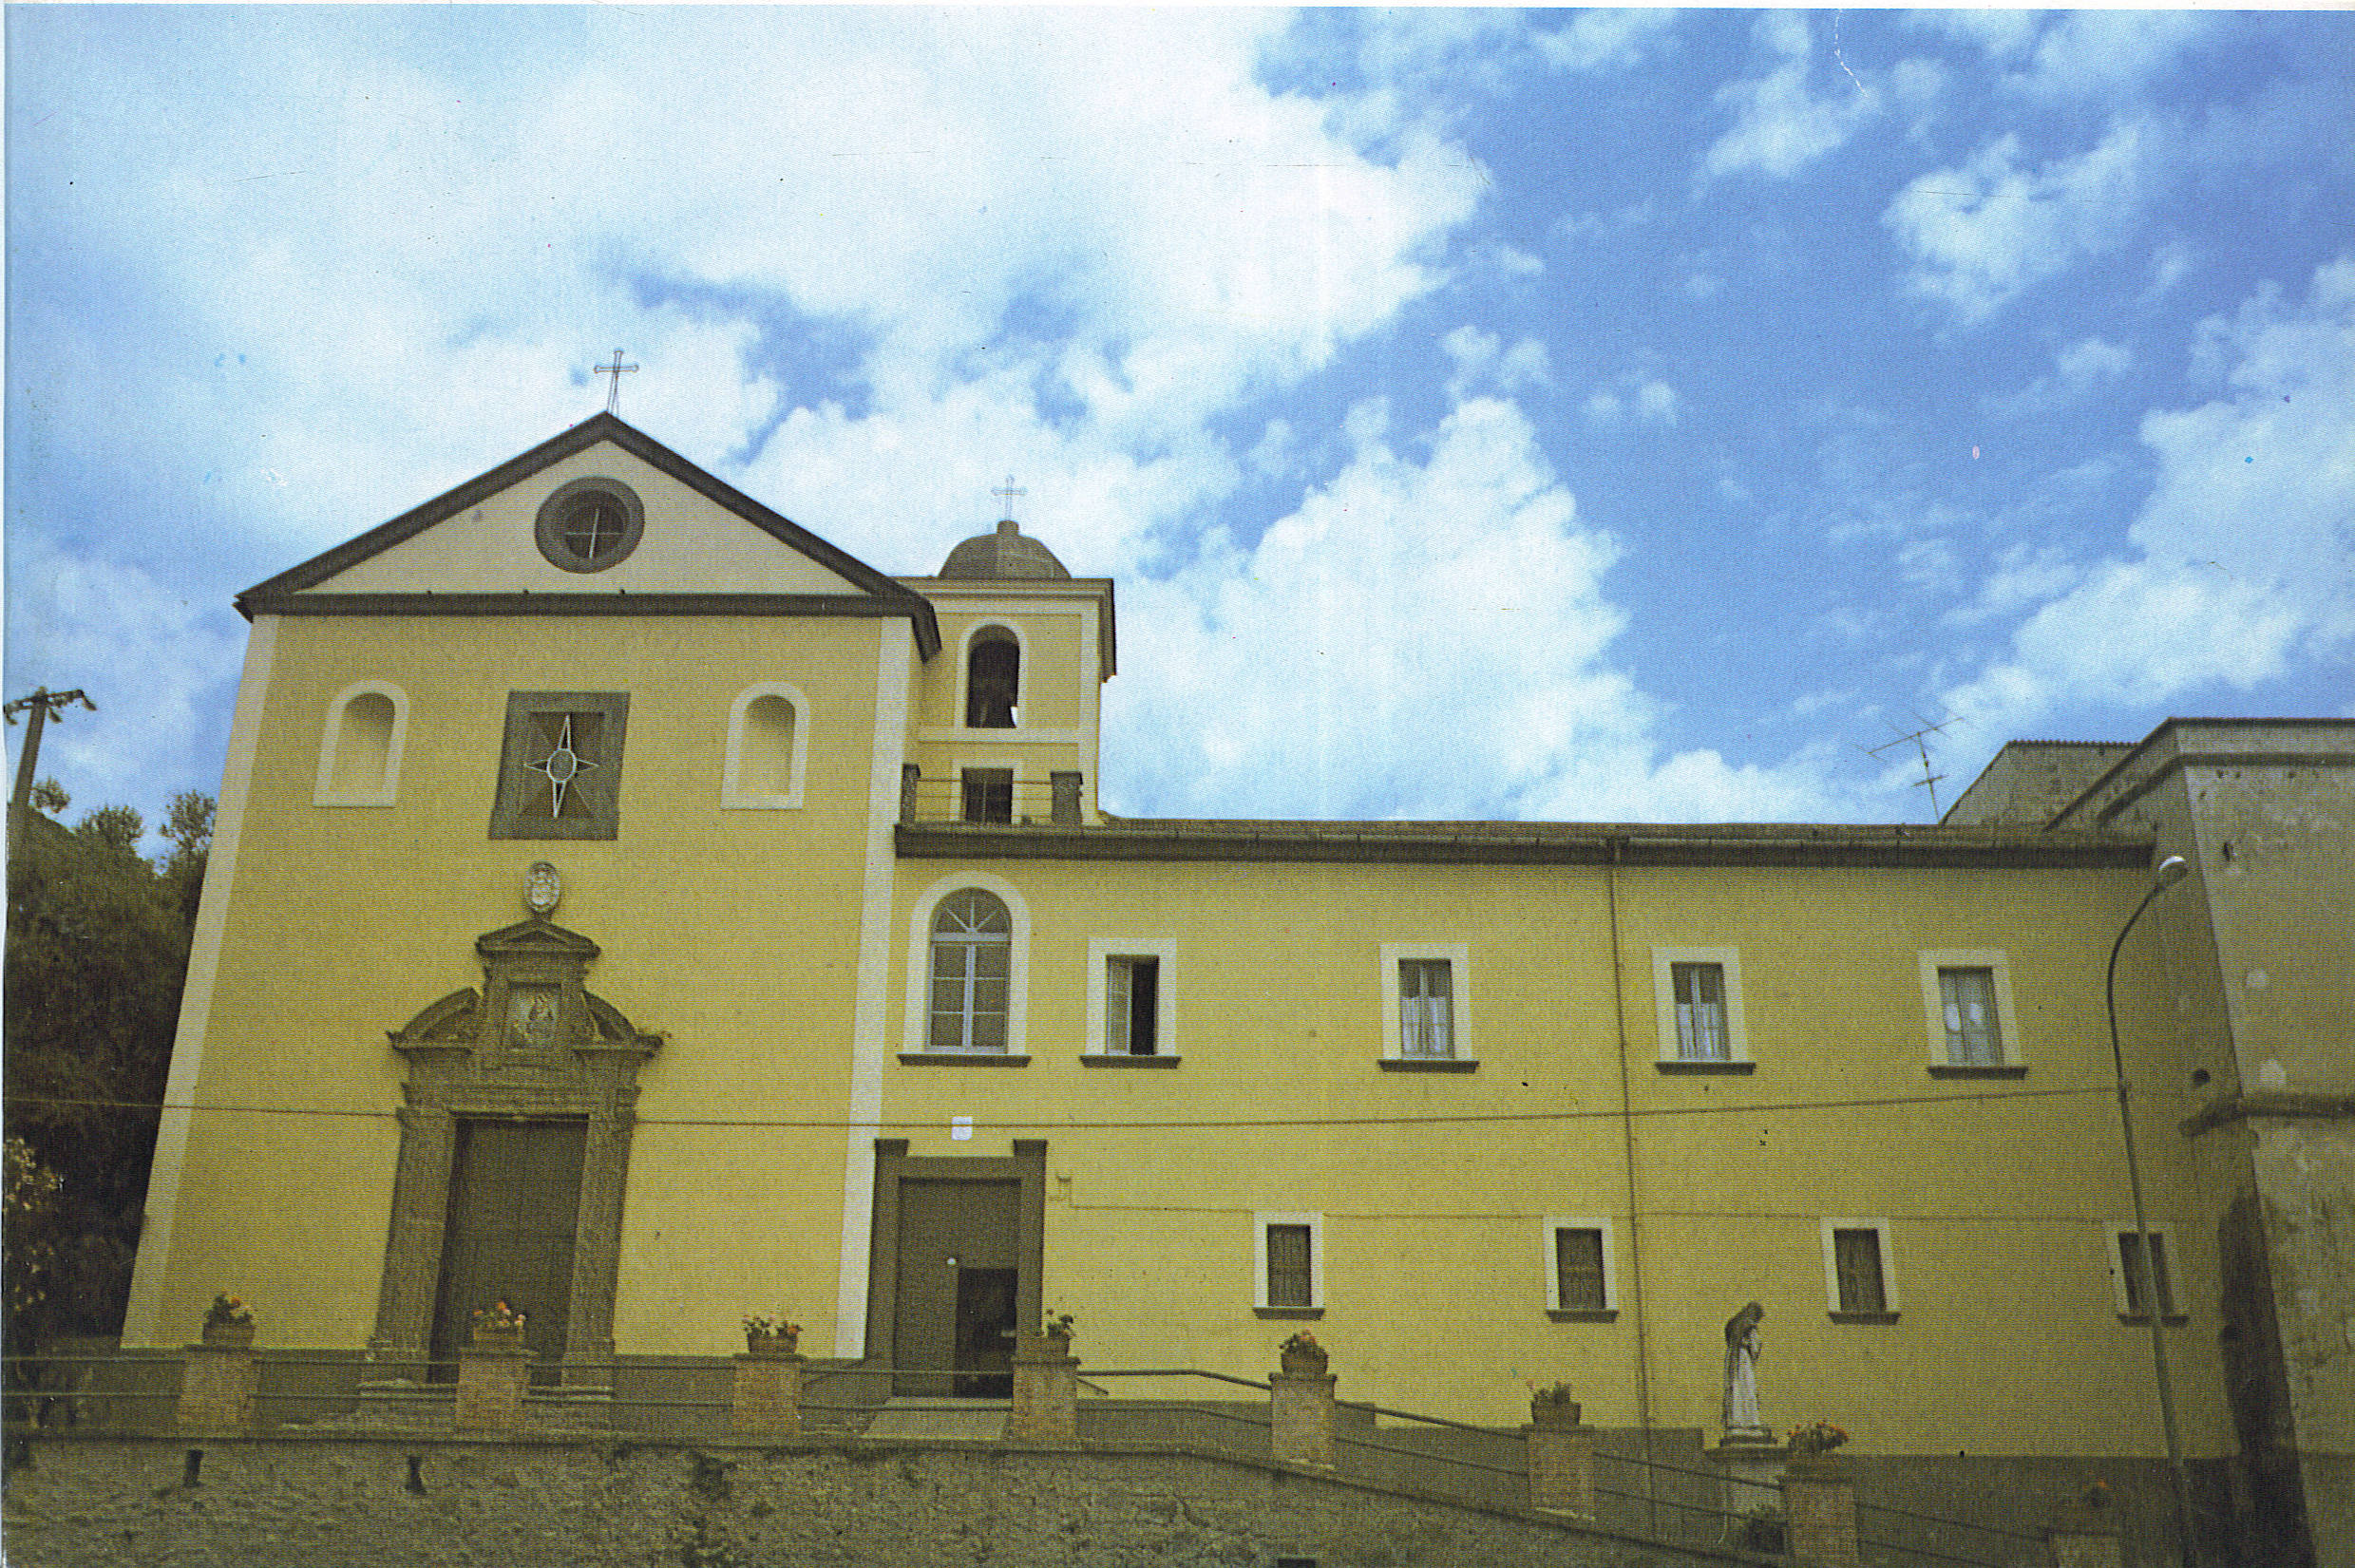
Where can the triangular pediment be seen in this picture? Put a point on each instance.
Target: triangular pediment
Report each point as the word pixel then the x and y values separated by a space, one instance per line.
pixel 535 938
pixel 700 538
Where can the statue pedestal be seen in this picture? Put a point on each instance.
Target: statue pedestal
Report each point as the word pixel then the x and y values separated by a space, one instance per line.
pixel 1753 1471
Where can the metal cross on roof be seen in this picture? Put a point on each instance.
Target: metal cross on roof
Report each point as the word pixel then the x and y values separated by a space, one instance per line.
pixel 616 370
pixel 1007 492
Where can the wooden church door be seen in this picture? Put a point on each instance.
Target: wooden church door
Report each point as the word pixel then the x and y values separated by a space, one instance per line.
pixel 514 1216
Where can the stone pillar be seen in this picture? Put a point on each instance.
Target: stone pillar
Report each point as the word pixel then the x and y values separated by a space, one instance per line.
pixel 1820 1504
pixel 909 775
pixel 1560 1467
pixel 1066 809
pixel 768 1401
pixel 1299 1429
pixel 217 1388
pixel 490 1388
pixel 2084 1539
pixel 1046 1392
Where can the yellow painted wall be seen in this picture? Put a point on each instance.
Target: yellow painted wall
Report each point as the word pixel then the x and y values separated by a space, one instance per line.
pixel 1434 1291
pixel 732 932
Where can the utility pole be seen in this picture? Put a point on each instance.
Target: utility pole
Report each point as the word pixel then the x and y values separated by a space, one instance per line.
pixel 40 705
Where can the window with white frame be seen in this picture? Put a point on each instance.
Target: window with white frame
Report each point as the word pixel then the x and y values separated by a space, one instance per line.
pixel 972 970
pixel 1860 1277
pixel 1697 994
pixel 1288 1263
pixel 767 748
pixel 2130 1285
pixel 1426 1027
pixel 1581 1268
pixel 360 748
pixel 1426 1002
pixel 967 973
pixel 1967 1000
pixel 1132 997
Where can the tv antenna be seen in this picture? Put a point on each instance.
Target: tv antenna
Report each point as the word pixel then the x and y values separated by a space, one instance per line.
pixel 1917 740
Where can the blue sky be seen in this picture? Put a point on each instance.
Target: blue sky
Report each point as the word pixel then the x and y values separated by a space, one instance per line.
pixel 1580 415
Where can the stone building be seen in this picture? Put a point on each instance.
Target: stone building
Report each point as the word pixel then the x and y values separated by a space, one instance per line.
pixel 627 903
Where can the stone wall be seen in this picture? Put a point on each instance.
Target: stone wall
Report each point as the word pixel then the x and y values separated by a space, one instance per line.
pixel 328 1503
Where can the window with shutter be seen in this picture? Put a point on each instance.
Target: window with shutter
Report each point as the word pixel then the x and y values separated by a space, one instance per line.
pixel 2132 1263
pixel 1288 1267
pixel 1856 1255
pixel 1578 1269
pixel 1132 986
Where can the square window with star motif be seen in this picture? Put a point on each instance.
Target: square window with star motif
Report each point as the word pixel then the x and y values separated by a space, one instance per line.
pixel 560 768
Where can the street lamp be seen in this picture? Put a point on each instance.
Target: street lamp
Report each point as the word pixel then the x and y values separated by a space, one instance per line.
pixel 2139 1264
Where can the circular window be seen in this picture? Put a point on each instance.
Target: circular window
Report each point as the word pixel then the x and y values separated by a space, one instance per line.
pixel 590 524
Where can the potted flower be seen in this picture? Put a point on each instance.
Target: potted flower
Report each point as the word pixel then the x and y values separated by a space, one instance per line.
pixel 228 1322
pixel 1552 1408
pixel 1053 1337
pixel 1812 1445
pixel 1302 1357
pixel 771 1336
pixel 498 1326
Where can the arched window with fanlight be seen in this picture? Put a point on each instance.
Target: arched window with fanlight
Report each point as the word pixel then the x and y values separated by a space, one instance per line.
pixel 360 748
pixel 972 966
pixel 993 680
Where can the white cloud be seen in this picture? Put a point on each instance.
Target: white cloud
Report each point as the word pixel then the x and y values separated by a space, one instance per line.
pixel 1482 362
pixel 2107 55
pixel 1647 398
pixel 1418 640
pixel 2244 561
pixel 1982 234
pixel 1606 40
pixel 1779 125
pixel 2078 368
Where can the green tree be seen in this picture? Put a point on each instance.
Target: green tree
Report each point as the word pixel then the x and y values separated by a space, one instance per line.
pixel 97 950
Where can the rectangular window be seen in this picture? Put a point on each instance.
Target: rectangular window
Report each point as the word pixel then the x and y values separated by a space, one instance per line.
pixel 560 766
pixel 1288 1266
pixel 2132 1260
pixel 1578 1269
pixel 1700 1011
pixel 989 794
pixel 1857 1257
pixel 1426 1025
pixel 1132 1001
pixel 1860 1279
pixel 1967 999
pixel 1579 1273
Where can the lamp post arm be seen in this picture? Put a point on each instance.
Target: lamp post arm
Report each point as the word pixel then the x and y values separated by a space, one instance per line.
pixel 2141 1265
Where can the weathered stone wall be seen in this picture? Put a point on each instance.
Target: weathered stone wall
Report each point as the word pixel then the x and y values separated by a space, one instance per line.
pixel 313 1502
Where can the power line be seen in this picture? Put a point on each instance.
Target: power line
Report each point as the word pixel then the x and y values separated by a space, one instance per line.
pixel 838 1124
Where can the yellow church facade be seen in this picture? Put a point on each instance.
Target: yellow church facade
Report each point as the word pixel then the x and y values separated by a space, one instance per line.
pixel 626 903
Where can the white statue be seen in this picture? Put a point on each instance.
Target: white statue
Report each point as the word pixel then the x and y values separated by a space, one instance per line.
pixel 1742 1346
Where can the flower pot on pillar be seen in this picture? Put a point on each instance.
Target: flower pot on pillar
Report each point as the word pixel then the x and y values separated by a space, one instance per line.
pixel 1046 1391
pixel 766 1400
pixel 216 1386
pixel 1819 1502
pixel 1299 1429
pixel 493 1373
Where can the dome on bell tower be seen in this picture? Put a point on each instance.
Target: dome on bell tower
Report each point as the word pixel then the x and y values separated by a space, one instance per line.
pixel 1004 554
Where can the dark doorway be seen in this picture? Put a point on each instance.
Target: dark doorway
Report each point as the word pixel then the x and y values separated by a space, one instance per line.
pixel 514 1213
pixel 959 1284
pixel 985 1334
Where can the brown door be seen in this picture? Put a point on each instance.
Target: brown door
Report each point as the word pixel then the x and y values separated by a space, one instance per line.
pixel 514 1213
pixel 953 1332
